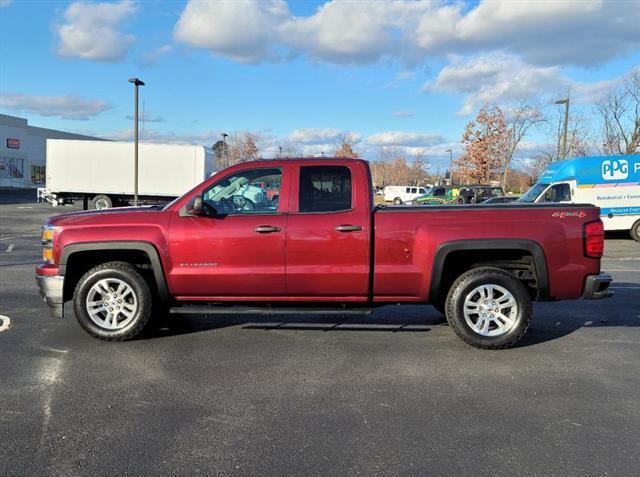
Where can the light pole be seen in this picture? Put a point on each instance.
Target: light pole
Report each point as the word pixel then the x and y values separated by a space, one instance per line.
pixel 566 125
pixel 137 83
pixel 224 148
pixel 450 151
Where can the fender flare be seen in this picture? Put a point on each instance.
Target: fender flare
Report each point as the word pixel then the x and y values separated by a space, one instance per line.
pixel 146 247
pixel 531 246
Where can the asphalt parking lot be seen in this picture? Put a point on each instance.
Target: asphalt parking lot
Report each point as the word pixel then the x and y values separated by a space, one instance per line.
pixel 394 394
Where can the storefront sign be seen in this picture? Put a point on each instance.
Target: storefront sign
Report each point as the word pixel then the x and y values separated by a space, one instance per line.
pixel 13 143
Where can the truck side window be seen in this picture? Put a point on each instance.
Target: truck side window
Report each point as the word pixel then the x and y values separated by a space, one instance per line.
pixel 324 188
pixel 253 191
pixel 558 193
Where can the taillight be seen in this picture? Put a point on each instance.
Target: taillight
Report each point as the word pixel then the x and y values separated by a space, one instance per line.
pixel 594 239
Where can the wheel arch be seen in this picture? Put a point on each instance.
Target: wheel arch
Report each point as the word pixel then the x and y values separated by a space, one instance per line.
pixel 530 247
pixel 109 251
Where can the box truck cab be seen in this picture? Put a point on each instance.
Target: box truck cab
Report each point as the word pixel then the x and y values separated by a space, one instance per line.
pixel 609 182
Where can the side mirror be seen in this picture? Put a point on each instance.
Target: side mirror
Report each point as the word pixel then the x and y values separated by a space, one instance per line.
pixel 195 206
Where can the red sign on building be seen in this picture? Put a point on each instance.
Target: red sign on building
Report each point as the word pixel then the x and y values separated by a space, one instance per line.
pixel 13 143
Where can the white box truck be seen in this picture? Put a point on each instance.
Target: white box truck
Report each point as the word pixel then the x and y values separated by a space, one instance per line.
pixel 609 182
pixel 101 173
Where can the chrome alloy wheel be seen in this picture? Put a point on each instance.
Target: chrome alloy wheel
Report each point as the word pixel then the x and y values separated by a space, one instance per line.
pixel 490 310
pixel 112 304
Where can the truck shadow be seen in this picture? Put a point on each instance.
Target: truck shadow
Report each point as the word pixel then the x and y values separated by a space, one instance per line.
pixel 412 319
pixel 551 321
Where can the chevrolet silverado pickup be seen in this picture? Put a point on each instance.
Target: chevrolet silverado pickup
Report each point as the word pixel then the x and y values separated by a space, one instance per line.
pixel 304 236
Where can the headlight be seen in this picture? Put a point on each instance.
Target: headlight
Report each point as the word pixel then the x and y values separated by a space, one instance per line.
pixel 48 232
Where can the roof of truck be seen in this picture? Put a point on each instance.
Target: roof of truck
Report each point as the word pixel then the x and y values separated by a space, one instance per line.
pixel 594 170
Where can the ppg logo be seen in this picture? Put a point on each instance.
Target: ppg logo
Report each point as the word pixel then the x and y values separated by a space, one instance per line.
pixel 615 169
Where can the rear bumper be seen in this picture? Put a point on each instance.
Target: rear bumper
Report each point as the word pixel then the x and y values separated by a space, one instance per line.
pixel 597 286
pixel 51 289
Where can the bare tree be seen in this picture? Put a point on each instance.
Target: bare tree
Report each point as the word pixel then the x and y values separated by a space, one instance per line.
pixel 619 111
pixel 520 120
pixel 344 148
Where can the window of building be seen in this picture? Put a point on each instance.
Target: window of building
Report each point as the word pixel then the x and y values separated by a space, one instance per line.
pixel 37 174
pixel 13 167
pixel 324 188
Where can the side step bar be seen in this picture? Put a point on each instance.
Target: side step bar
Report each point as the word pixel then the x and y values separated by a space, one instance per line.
pixel 247 310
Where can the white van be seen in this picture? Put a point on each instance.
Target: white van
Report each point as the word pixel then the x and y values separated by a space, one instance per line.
pixel 609 182
pixel 400 194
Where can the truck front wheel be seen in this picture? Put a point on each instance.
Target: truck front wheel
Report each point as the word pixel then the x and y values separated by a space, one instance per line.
pixel 635 231
pixel 489 308
pixel 112 302
pixel 101 201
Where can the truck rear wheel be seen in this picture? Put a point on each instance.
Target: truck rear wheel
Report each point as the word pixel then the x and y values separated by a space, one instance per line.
pixel 397 201
pixel 635 231
pixel 101 201
pixel 489 308
pixel 112 302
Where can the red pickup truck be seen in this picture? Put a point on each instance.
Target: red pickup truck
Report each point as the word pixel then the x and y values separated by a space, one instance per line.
pixel 318 244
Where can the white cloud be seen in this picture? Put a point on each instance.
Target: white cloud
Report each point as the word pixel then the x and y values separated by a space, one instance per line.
pixel 403 114
pixel 367 31
pixel 321 136
pixel 401 138
pixel 207 138
pixel 502 78
pixel 66 107
pixel 152 57
pixel 241 30
pixel 90 31
pixel 495 78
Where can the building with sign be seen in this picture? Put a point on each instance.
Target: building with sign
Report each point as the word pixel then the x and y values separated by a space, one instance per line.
pixel 23 151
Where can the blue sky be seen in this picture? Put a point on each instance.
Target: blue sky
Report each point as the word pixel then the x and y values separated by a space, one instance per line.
pixel 395 74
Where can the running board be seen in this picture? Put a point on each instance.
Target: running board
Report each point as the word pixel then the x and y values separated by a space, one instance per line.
pixel 246 310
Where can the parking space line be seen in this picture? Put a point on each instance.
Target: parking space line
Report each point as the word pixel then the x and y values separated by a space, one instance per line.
pixel 10 248
pixel 5 323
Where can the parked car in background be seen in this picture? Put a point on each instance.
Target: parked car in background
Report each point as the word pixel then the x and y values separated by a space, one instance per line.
pixel 401 194
pixel 463 194
pixel 609 182
pixel 505 199
pixel 320 246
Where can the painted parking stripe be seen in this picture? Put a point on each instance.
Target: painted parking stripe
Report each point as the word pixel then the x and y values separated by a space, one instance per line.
pixel 10 248
pixel 5 323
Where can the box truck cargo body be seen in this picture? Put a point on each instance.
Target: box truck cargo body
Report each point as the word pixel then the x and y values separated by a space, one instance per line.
pixel 101 173
pixel 609 182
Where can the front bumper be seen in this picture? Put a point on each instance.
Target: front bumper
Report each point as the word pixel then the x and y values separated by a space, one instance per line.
pixel 597 286
pixel 51 290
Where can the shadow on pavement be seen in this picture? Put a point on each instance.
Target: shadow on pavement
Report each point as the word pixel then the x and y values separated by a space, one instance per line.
pixel 424 318
pixel 17 196
pixel 548 323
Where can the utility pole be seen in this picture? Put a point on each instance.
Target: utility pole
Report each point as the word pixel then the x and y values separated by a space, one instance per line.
pixel 137 83
pixel 224 148
pixel 450 151
pixel 563 151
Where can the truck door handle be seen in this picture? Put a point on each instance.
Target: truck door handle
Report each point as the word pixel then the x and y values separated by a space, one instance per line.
pixel 266 229
pixel 348 228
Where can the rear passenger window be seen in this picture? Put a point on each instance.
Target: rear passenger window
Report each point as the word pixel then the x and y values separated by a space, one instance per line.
pixel 324 188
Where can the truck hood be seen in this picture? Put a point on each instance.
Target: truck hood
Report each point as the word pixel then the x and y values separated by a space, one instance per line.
pixel 81 216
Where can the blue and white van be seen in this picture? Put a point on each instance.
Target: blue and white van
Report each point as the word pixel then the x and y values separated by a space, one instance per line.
pixel 609 182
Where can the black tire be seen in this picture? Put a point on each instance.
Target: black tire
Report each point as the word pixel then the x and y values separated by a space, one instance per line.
pixel 101 201
pixel 469 281
pixel 635 231
pixel 397 201
pixel 121 271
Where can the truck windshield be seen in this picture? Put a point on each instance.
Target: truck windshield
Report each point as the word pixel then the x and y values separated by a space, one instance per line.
pixel 532 194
